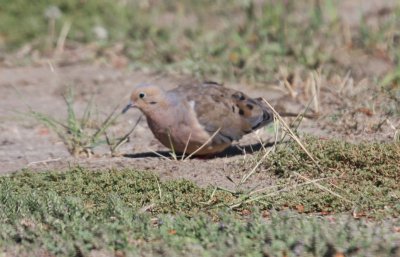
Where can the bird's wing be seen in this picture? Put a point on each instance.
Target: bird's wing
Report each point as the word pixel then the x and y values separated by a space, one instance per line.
pixel 230 112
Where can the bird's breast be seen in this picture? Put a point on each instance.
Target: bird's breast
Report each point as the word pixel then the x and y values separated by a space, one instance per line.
pixel 179 131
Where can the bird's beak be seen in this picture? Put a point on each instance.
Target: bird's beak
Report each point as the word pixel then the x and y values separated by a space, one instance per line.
pixel 130 105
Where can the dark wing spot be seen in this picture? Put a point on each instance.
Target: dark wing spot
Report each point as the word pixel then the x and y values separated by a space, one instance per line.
pixel 241 112
pixel 233 108
pixel 212 83
pixel 242 97
pixel 216 98
pixel 239 96
pixel 250 106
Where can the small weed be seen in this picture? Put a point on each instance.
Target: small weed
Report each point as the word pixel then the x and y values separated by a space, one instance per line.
pixel 81 135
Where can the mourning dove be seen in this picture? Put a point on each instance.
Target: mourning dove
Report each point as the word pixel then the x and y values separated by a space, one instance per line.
pixel 199 119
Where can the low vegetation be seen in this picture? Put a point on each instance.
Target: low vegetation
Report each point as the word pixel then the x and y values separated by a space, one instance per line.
pixel 127 211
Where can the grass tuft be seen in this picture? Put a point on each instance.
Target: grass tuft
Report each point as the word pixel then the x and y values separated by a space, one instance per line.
pixel 82 135
pixel 365 173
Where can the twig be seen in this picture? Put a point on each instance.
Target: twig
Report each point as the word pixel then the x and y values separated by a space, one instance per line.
pixel 43 162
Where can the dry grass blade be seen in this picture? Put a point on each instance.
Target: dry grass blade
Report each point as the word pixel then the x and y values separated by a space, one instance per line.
pixel 276 129
pixel 203 145
pixel 396 135
pixel 297 115
pixel 261 190
pixel 159 187
pixel 43 162
pixel 211 197
pixel 315 89
pixel 298 120
pixel 286 189
pixel 260 141
pixel 63 35
pixel 248 175
pixel 186 146
pixel 247 198
pixel 344 82
pixel 290 132
pixel 172 146
pixel 297 140
pixel 267 152
pixel 289 87
pixel 159 155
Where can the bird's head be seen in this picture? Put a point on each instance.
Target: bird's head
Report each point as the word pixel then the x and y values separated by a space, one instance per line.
pixel 146 97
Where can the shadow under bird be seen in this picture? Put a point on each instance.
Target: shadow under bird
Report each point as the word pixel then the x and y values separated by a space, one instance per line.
pixel 199 119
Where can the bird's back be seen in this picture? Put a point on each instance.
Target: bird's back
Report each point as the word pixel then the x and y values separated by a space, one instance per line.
pixel 228 111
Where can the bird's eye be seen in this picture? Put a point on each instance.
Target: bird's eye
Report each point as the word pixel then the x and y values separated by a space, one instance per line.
pixel 142 95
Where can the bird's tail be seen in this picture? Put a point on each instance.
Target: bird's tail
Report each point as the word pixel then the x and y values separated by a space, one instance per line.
pixel 267 114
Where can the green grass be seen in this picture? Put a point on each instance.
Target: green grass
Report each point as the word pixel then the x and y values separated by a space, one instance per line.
pixel 97 188
pixel 129 211
pixel 67 230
